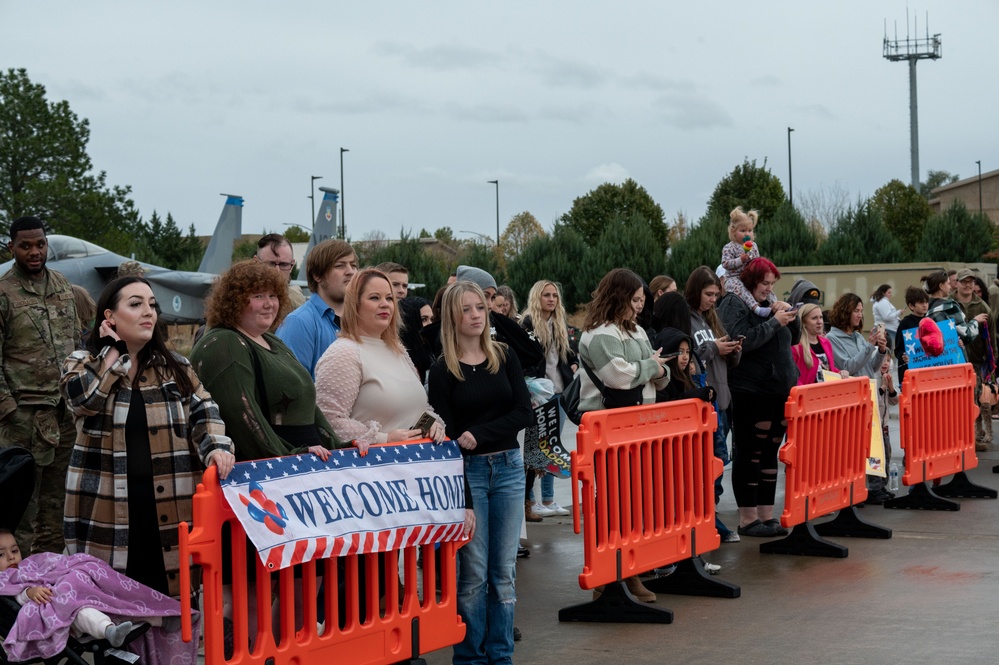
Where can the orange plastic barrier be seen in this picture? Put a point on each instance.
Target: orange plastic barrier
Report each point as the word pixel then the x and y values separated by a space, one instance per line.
pixel 825 458
pixel 937 414
pixel 647 477
pixel 937 422
pixel 411 617
pixel 828 439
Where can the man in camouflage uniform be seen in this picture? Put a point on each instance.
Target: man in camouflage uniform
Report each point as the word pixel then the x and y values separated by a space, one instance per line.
pixel 38 330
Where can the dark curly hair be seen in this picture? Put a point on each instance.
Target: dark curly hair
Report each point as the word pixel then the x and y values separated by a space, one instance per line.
pixel 231 293
pixel 612 300
pixel 841 314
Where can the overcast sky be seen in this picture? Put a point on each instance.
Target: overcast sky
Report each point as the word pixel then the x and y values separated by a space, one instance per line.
pixel 190 99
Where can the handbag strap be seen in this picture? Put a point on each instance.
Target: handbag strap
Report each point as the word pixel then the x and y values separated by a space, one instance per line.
pixel 593 377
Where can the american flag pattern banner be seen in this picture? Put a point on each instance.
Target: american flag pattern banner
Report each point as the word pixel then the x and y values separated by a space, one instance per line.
pixel 298 508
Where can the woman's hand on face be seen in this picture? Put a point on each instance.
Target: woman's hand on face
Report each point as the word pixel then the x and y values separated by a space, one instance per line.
pixel 469 530
pixel 321 453
pixel 467 441
pixel 405 434
pixel 223 460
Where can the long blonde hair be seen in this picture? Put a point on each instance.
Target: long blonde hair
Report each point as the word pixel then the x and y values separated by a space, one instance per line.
pixel 451 313
pixel 557 333
pixel 351 328
pixel 806 348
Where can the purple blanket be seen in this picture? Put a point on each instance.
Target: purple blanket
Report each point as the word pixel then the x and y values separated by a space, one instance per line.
pixel 78 581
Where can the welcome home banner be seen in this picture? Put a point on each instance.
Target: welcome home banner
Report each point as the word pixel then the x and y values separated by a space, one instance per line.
pixel 298 508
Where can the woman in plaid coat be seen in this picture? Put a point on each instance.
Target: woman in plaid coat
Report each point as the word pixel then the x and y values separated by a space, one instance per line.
pixel 147 428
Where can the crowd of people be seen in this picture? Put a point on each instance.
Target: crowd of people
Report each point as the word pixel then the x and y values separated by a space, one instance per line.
pixel 121 427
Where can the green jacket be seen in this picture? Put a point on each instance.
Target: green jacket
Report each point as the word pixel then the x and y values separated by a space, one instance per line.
pixel 38 331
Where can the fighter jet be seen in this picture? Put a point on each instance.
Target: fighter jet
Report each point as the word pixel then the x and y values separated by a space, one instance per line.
pixel 180 294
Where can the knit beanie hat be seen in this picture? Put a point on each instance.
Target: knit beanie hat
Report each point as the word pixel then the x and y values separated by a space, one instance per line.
pixel 476 275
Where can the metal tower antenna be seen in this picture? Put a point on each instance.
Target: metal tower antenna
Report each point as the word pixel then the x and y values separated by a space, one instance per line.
pixel 912 50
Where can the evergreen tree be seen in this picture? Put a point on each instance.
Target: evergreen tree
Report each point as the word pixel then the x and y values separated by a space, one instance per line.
pixel 562 257
pixel 956 235
pixel 626 244
pixel 701 247
pixel 609 204
pixel 860 236
pixel 425 267
pixel 786 239
pixel 904 212
pixel 750 186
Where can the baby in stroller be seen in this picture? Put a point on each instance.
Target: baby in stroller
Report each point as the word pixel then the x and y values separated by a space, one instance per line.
pixel 59 595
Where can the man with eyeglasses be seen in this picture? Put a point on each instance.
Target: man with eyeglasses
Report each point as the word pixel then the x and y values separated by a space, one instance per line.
pixel 275 250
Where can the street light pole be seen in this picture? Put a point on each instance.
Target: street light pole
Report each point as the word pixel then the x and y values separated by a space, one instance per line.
pixel 312 197
pixel 343 212
pixel 496 182
pixel 790 181
pixel 980 211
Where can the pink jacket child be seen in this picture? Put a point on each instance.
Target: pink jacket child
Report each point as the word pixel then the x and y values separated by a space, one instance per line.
pixel 59 593
pixel 808 374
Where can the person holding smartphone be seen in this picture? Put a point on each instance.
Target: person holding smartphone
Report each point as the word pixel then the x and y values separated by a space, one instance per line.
pixel 366 383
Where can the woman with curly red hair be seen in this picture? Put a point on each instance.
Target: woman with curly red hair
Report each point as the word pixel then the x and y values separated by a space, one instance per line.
pixel 760 384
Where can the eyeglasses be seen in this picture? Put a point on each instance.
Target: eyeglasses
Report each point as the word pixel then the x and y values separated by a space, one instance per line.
pixel 281 265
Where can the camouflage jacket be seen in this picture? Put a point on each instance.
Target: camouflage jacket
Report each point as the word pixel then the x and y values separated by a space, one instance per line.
pixel 38 330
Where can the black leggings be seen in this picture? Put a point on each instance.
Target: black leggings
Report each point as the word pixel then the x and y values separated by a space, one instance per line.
pixel 758 427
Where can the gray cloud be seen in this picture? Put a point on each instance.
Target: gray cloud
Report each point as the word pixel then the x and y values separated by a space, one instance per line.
pixel 492 113
pixel 766 81
pixel 816 111
pixel 645 80
pixel 441 57
pixel 562 73
pixel 372 102
pixel 692 112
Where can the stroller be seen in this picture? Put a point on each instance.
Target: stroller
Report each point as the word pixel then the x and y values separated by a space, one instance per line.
pixel 17 480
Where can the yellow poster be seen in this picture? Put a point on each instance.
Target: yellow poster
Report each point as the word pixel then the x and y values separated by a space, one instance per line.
pixel 876 456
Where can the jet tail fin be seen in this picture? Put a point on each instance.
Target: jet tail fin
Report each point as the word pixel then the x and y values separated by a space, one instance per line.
pixel 325 226
pixel 218 256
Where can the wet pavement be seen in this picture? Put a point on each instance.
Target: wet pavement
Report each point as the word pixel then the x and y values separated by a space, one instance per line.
pixel 930 593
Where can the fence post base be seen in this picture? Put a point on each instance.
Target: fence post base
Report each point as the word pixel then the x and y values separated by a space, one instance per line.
pixel 960 486
pixel 615 605
pixel 804 541
pixel 690 579
pixel 849 523
pixel 921 497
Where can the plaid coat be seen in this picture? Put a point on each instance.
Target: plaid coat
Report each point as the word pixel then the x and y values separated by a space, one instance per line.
pixel 183 432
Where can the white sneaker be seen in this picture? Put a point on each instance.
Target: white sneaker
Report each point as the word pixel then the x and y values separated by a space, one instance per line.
pixel 712 568
pixel 556 509
pixel 542 510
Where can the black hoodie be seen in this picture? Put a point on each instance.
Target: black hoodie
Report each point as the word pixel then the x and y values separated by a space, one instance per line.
pixel 668 339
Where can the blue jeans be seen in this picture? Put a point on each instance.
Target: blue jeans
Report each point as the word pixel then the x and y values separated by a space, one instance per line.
pixel 487 565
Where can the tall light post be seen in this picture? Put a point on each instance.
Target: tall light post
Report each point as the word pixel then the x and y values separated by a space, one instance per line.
pixel 496 182
pixel 980 211
pixel 790 181
pixel 312 197
pixel 343 213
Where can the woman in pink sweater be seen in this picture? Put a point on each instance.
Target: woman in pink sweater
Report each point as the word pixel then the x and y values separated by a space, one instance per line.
pixel 814 351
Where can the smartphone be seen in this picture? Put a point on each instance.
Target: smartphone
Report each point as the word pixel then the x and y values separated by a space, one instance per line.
pixel 740 338
pixel 670 356
pixel 424 424
pixel 879 328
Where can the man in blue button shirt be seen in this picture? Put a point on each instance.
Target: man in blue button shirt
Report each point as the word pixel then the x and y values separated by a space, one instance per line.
pixel 309 330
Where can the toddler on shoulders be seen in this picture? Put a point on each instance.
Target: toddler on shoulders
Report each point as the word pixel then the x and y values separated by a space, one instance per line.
pixel 742 249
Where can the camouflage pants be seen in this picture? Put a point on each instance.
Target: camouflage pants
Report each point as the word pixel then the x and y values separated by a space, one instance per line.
pixel 983 423
pixel 49 434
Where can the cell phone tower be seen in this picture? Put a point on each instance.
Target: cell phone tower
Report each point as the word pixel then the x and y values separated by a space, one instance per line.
pixel 913 49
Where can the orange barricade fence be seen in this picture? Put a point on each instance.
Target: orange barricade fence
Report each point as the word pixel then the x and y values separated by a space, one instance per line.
pixel 647 479
pixel 379 615
pixel 937 414
pixel 825 458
